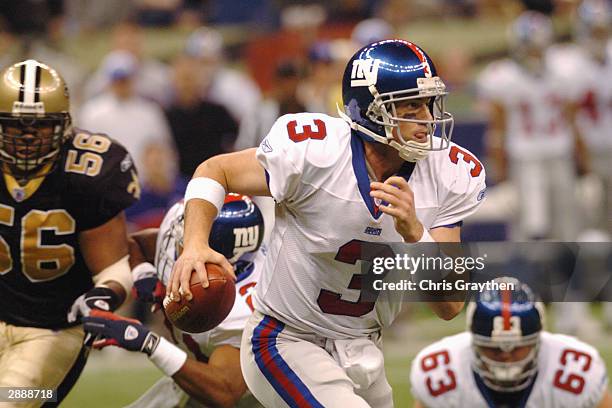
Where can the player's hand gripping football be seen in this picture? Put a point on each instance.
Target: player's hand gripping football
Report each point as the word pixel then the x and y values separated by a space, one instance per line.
pixel 396 192
pixel 110 329
pixel 194 259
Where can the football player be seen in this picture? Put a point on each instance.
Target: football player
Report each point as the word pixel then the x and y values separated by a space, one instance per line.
pixel 587 62
pixel 531 135
pixel 200 368
pixel 63 240
pixel 506 359
pixel 385 171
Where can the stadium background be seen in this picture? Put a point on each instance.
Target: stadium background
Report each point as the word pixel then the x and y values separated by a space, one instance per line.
pixel 462 36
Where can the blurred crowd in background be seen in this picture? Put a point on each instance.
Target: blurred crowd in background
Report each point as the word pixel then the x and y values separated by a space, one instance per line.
pixel 178 81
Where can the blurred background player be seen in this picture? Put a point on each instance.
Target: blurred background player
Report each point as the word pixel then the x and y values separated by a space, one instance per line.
pixel 587 61
pixel 385 171
pixel 202 369
pixel 62 196
pixel 506 359
pixel 531 134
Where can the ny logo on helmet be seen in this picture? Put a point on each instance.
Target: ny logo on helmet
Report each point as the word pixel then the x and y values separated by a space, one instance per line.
pixel 246 239
pixel 365 72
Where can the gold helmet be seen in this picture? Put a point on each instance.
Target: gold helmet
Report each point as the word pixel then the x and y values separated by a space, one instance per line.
pixel 34 119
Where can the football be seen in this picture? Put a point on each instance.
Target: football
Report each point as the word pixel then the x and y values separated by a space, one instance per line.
pixel 208 307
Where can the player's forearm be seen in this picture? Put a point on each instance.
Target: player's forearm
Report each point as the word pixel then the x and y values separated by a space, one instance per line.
pixel 141 246
pixel 118 289
pixel 238 172
pixel 199 217
pixel 136 254
pixel 200 213
pixel 209 384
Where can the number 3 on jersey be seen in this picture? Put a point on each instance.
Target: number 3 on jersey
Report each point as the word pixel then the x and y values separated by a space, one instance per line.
pixel 349 253
pixel 454 155
pixel 318 133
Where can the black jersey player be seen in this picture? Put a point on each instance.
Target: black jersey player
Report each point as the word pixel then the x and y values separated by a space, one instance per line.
pixel 63 244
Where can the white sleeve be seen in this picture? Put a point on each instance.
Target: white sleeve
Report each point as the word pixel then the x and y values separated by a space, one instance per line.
pixel 596 376
pixel 495 82
pixel 486 83
pixel 463 188
pixel 281 162
pixel 293 160
pixel 597 383
pixel 575 371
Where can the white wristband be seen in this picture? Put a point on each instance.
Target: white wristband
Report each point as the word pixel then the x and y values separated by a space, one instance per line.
pixel 207 189
pixel 167 357
pixel 426 236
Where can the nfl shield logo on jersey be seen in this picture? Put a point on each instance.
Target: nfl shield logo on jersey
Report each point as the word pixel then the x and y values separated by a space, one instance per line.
pixel 18 194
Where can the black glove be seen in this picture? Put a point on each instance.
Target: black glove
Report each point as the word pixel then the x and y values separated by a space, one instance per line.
pixel 99 297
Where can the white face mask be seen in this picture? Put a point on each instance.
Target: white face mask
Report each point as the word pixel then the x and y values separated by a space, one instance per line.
pixel 382 112
pixel 506 376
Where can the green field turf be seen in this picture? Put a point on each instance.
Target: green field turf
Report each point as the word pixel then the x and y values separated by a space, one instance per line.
pixel 113 379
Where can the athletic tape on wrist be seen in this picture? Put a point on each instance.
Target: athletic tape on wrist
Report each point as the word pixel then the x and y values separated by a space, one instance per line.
pixel 119 272
pixel 167 357
pixel 207 189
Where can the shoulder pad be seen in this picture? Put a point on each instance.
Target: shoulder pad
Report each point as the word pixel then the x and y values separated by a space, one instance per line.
pixel 460 178
pixel 89 158
pixel 436 373
pixel 495 81
pixel 102 180
pixel 312 137
pixel 575 370
pixel 297 147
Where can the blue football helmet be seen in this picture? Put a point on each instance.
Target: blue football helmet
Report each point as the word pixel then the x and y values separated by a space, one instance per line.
pixel 238 229
pixel 505 320
pixel 528 38
pixel 236 233
pixel 379 76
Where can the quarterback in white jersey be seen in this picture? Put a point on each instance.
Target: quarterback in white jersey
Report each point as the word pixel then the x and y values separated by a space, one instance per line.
pixel 531 134
pixel 208 370
pixel 385 171
pixel 505 359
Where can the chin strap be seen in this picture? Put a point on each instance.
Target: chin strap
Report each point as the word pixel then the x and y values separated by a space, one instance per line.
pixel 411 151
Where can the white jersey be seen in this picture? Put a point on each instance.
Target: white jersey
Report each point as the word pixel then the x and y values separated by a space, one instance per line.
pixel 317 174
pixel 536 124
pixel 590 88
pixel 200 346
pixel 571 374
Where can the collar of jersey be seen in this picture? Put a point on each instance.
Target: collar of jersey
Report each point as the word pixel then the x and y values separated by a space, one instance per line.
pixel 29 188
pixel 361 173
pixel 487 393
